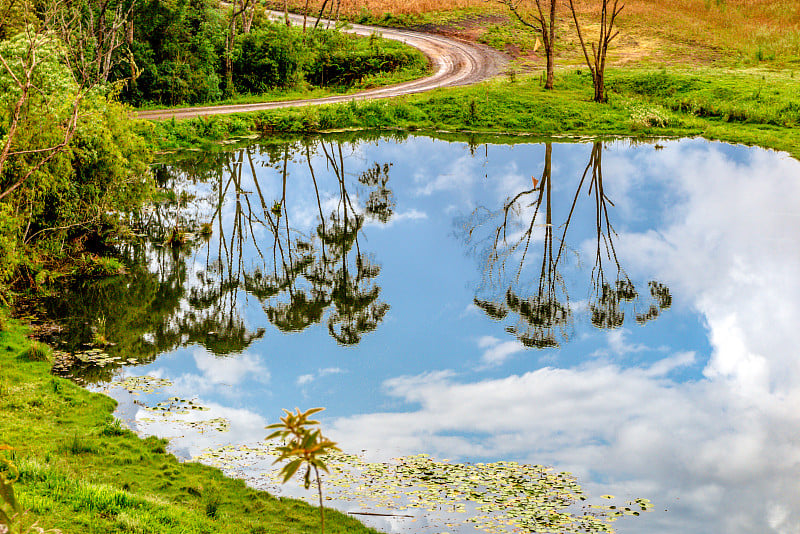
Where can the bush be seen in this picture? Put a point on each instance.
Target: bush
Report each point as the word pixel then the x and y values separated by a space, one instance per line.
pixel 267 58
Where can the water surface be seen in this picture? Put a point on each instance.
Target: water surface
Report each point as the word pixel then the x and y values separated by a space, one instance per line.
pixel 624 312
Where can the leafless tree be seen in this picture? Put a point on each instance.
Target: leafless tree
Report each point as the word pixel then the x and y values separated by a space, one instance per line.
pixel 609 10
pixel 93 31
pixel 545 26
pixel 248 14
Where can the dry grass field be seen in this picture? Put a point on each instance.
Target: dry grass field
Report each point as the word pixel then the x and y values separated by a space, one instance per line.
pixel 730 32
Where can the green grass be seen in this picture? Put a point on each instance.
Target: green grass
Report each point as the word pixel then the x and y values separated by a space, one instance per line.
pixel 82 473
pixel 744 106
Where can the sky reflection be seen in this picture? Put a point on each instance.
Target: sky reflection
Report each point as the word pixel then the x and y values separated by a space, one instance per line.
pixel 695 410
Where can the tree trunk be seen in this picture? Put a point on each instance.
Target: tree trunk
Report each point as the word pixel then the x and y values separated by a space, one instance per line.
pixel 228 66
pixel 599 86
pixel 321 509
pixel 551 45
pixel 321 12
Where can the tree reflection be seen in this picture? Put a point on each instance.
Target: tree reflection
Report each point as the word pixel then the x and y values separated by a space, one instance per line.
pixel 298 277
pixel 542 306
pixel 236 210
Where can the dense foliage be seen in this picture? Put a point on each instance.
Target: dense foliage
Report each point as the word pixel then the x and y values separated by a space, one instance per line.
pixel 69 161
pixel 179 50
pixel 176 49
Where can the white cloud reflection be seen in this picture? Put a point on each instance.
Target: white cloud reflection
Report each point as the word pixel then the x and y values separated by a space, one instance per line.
pixel 723 452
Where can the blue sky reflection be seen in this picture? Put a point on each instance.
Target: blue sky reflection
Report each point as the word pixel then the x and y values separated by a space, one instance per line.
pixel 696 410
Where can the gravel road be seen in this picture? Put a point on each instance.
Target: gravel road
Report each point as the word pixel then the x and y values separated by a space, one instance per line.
pixel 454 63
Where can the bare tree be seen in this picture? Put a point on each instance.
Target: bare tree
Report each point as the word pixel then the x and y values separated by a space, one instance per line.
pixel 597 61
pixel 305 16
pixel 237 9
pixel 545 26
pixel 248 14
pixel 333 12
pixel 93 32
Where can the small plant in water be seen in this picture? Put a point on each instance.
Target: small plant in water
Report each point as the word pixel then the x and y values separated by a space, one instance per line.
pixel 302 445
pixel 99 332
pixel 206 230
pixel 176 238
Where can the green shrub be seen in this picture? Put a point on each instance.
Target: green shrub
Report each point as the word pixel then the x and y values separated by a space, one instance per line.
pixel 267 58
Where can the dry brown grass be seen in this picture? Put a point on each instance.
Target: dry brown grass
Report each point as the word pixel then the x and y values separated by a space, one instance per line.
pixel 697 30
pixel 725 26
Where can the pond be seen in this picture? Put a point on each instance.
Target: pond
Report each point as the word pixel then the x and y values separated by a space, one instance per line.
pixel 626 312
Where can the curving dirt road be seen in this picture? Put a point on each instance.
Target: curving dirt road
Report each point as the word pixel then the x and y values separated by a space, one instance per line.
pixel 454 63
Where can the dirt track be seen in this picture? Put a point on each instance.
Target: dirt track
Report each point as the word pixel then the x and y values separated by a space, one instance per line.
pixel 454 63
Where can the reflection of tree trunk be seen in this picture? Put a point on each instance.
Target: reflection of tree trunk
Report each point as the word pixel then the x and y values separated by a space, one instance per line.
pixel 274 227
pixel 291 275
pixel 316 191
pixel 603 220
pixel 548 266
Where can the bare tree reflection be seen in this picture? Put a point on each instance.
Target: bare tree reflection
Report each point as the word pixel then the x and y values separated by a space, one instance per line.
pixel 298 278
pixel 235 210
pixel 542 306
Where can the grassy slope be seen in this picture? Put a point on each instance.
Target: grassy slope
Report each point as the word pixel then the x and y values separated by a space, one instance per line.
pixel 81 473
pixel 727 32
pixel 743 106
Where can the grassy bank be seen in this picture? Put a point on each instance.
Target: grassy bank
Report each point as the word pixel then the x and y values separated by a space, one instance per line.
pixel 742 106
pixel 81 472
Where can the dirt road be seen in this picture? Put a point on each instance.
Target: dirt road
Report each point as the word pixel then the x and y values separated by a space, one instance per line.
pixel 454 63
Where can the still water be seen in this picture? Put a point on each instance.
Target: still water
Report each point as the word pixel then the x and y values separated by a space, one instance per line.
pixel 625 312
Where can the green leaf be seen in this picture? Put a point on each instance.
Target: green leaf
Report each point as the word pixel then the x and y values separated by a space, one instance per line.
pixel 290 469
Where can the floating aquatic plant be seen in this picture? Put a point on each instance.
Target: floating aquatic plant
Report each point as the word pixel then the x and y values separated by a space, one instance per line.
pixel 176 405
pixel 497 497
pixel 141 384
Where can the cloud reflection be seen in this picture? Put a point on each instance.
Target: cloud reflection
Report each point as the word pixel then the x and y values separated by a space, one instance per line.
pixel 725 445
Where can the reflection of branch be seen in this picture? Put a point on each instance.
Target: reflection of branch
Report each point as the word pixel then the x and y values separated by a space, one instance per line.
pixel 327 275
pixel 316 191
pixel 601 211
pixel 548 307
